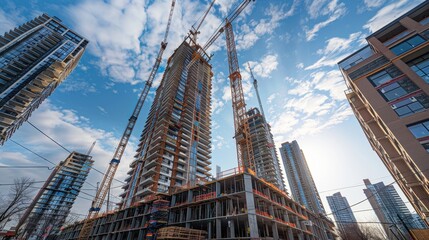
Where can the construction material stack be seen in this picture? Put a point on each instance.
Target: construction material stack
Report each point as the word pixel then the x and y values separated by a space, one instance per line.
pixel 181 233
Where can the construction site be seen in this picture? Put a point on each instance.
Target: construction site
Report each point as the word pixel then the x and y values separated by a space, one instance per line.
pixel 235 205
pixel 170 192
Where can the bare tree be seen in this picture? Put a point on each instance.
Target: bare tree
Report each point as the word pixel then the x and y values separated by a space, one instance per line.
pixel 363 232
pixel 16 200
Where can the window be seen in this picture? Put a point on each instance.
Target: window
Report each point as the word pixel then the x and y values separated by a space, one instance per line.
pixel 384 75
pixel 411 105
pixel 426 146
pixel 420 66
pixel 397 89
pixel 420 130
pixel 407 45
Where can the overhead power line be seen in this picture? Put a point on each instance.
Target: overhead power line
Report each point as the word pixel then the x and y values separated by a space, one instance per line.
pixel 32 152
pixel 47 167
pixel 38 129
pixel 367 198
pixel 54 163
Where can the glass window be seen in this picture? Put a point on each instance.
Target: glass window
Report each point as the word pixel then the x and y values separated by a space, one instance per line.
pixel 426 146
pixel 420 66
pixel 356 58
pixel 407 45
pixel 384 75
pixel 420 130
pixel 397 89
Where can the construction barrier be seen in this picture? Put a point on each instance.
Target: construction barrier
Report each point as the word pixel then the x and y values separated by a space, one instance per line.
pixel 205 196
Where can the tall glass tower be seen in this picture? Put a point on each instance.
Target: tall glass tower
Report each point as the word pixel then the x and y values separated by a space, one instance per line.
pixel 343 214
pixel 390 208
pixel 34 59
pixel 301 182
pixel 52 204
pixel 175 145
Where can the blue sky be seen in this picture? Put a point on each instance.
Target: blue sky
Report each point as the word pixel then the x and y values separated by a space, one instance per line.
pixel 292 46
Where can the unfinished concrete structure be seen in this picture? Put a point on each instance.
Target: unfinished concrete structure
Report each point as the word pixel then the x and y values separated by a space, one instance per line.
pixel 34 59
pixel 266 161
pixel 175 145
pixel 235 205
pixel 388 91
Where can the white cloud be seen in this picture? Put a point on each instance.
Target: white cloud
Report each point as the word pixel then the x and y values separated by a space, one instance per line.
pixel 300 65
pixel 337 44
pixel 102 109
pixel 389 13
pixel 318 8
pixel 373 3
pixel 334 50
pixel 113 28
pixel 272 97
pixel 218 143
pixel 226 93
pixel 126 35
pixel 77 85
pixel 254 30
pixel 9 20
pixel 327 61
pixel 263 68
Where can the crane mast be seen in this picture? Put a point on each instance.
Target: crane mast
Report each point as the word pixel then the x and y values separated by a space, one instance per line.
pixel 231 17
pixel 98 201
pixel 242 132
pixel 195 30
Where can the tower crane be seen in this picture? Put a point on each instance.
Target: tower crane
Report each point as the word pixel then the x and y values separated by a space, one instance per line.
pixel 242 131
pixel 195 30
pixel 98 201
pixel 243 140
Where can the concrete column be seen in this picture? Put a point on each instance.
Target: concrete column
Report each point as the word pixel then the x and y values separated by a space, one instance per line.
pixel 274 225
pixel 173 201
pixel 218 229
pixel 231 227
pixel 209 230
pixel 409 23
pixel 290 234
pixel 188 210
pixel 251 210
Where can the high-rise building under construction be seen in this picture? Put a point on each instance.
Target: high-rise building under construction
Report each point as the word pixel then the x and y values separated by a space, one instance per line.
pixel 175 144
pixel 51 206
pixel 34 59
pixel 266 161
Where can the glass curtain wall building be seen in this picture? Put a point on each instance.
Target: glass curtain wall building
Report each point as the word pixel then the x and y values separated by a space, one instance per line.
pixel 302 185
pixel 343 215
pixel 390 208
pixel 267 162
pixel 388 92
pixel 175 145
pixel 34 59
pixel 51 206
pixel 301 182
